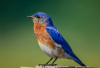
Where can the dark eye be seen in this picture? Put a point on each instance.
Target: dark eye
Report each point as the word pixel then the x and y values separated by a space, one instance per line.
pixel 38 17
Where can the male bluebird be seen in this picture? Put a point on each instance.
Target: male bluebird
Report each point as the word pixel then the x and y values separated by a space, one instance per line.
pixel 50 40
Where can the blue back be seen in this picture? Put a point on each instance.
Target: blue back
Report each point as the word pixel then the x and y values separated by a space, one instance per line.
pixel 57 37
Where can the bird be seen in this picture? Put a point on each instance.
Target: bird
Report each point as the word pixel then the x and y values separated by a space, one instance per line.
pixel 50 40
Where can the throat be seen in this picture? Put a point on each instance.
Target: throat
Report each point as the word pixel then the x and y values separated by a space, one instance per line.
pixel 38 27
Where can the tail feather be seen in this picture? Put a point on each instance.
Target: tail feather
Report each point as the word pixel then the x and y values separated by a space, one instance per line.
pixel 76 59
pixel 79 62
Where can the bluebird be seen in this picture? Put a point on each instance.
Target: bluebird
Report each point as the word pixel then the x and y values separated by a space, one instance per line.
pixel 50 40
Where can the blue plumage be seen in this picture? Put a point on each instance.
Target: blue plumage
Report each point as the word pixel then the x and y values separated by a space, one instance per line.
pixel 46 20
pixel 57 37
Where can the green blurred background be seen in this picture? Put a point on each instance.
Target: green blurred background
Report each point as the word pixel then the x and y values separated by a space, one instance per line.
pixel 77 20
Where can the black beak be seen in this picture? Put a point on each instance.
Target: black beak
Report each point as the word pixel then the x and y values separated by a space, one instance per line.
pixel 29 16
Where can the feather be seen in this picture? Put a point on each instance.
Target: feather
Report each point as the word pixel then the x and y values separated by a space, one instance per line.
pixel 57 37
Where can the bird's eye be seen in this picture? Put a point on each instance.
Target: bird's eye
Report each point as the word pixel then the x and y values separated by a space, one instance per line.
pixel 38 17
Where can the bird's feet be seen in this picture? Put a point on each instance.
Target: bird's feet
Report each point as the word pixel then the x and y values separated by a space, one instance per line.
pixel 52 64
pixel 47 64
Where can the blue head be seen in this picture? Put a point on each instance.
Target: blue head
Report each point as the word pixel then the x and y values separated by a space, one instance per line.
pixel 42 18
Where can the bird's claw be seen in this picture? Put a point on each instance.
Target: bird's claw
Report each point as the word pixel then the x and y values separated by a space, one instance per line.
pixel 47 64
pixel 52 64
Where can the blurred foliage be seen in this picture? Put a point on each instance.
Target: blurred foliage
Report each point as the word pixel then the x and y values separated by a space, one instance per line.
pixel 77 20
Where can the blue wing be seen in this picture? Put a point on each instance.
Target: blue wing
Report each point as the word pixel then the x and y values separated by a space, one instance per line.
pixel 57 37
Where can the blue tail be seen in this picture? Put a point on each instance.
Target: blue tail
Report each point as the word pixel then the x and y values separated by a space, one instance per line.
pixel 75 58
pixel 78 61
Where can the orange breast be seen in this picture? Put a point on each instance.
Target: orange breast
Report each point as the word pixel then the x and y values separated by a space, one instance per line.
pixel 42 35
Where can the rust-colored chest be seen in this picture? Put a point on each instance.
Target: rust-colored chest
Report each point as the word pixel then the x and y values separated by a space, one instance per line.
pixel 42 35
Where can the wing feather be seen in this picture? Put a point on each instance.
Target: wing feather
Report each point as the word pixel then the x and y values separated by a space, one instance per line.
pixel 57 37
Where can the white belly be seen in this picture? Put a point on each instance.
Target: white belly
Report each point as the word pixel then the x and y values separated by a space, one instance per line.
pixel 53 52
pixel 46 50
